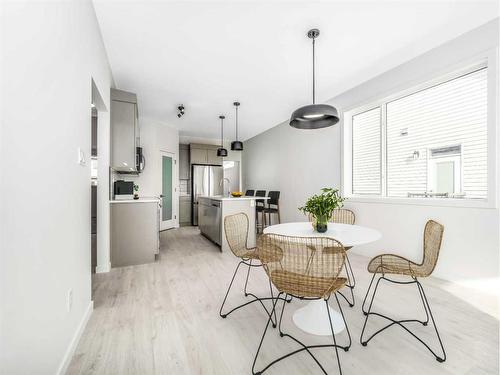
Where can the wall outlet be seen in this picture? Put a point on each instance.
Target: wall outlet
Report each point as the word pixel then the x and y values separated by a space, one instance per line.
pixel 69 300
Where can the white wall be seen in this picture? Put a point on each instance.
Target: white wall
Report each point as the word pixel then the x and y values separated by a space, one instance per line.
pixel 50 54
pixel 299 163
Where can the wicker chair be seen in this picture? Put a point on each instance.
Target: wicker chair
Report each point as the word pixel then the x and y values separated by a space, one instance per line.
pixel 304 268
pixel 390 264
pixel 344 216
pixel 236 230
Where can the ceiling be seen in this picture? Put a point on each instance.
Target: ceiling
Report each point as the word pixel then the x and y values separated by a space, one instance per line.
pixel 206 54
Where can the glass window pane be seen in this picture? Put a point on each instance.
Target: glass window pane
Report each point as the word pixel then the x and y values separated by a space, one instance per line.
pixel 166 188
pixel 438 122
pixel 366 153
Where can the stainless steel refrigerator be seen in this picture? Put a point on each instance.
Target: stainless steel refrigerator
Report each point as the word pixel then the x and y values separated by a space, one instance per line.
pixel 206 181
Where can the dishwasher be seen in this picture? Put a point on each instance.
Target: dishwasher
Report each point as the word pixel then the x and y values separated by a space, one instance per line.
pixel 209 219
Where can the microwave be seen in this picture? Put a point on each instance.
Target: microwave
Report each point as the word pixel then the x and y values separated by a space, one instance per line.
pixel 123 189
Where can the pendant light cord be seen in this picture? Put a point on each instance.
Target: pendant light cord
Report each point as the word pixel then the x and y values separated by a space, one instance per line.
pixel 221 133
pixel 236 122
pixel 314 73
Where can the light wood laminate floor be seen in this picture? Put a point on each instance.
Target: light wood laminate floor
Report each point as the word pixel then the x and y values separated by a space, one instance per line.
pixel 163 318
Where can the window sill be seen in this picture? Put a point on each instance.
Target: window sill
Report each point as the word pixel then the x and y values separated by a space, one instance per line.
pixel 435 202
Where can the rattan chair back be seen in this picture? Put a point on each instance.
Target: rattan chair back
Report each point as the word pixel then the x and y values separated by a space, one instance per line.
pixel 303 267
pixel 236 230
pixel 433 236
pixel 343 216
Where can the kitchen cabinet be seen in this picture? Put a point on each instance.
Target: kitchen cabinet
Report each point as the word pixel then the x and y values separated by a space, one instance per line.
pixel 184 170
pixel 198 156
pixel 205 154
pixel 185 210
pixel 124 131
pixel 209 221
pixel 134 232
pixel 212 157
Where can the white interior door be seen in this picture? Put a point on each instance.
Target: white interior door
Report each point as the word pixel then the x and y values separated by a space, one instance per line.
pixel 168 191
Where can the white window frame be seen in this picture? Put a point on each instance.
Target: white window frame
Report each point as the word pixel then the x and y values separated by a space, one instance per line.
pixel 489 60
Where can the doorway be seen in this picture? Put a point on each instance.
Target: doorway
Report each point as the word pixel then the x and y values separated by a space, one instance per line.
pixel 168 190
pixel 93 190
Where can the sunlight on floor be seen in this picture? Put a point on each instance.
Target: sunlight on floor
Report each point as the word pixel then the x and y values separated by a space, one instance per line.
pixel 483 294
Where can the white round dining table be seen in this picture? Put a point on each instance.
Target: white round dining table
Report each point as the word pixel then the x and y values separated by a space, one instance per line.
pixel 313 318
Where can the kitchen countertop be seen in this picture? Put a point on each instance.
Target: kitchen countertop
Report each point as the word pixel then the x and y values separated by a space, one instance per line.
pixel 140 200
pixel 226 198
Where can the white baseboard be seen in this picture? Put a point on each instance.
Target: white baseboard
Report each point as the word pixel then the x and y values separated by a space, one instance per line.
pixel 63 367
pixel 103 268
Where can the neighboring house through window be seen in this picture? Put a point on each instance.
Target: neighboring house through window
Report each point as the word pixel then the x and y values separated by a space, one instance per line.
pixel 430 142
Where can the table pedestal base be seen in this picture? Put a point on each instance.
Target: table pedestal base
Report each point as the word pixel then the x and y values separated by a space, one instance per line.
pixel 313 319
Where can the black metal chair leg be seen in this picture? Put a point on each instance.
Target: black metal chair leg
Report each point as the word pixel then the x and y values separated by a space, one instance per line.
pixel 228 289
pixel 352 301
pixel 333 334
pixel 275 322
pixel 303 347
pixel 366 295
pixel 364 343
pixel 281 316
pixel 402 323
pixel 346 348
pixel 262 338
pixel 246 281
pixel 255 298
pixel 423 303
pixel 349 269
pixel 438 358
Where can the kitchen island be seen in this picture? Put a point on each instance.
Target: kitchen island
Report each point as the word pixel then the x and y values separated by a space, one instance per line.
pixel 213 209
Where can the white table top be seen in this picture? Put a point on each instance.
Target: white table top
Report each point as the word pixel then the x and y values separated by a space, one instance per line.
pixel 348 235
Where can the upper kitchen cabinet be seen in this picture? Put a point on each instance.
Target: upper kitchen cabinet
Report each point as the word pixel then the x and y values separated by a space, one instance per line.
pixel 205 154
pixel 125 136
pixel 212 157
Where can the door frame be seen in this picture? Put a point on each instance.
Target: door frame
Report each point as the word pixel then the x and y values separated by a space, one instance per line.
pixel 174 222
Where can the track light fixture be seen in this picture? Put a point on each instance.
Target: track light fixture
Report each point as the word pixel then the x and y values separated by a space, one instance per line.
pixel 180 111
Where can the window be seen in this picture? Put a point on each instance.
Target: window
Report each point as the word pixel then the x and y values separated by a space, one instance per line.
pixel 430 143
pixel 366 142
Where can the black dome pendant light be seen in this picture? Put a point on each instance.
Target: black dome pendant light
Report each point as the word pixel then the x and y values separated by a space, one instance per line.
pixel 236 145
pixel 314 116
pixel 222 151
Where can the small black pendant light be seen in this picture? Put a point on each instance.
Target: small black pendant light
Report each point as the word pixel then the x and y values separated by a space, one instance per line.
pixel 236 145
pixel 314 116
pixel 222 151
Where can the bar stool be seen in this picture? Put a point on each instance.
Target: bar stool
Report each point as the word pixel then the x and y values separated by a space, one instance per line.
pixel 259 207
pixel 273 206
pixel 250 193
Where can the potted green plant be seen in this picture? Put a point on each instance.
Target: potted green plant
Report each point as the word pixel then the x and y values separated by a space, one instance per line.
pixel 321 207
